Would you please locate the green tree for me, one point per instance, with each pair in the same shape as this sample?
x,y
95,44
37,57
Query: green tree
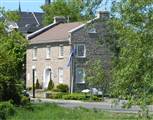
x,y
95,76
133,26
12,56
66,8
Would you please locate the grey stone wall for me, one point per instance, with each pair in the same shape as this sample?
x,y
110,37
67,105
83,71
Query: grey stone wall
x,y
94,50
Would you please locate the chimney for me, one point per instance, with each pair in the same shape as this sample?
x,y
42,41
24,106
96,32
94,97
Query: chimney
x,y
47,2
104,15
59,19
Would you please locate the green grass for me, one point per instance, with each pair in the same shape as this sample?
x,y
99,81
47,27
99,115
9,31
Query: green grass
x,y
54,112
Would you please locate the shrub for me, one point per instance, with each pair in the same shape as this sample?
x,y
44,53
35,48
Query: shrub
x,y
37,84
25,101
6,109
10,89
95,98
55,95
50,85
62,88
75,96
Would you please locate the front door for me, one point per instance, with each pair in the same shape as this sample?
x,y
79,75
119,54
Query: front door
x,y
47,77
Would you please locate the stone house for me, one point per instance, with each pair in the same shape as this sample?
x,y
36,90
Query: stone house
x,y
60,51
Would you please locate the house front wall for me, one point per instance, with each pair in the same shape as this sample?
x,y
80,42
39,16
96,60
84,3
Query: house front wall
x,y
41,64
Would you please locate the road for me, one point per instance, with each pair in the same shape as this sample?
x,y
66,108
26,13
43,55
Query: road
x,y
92,105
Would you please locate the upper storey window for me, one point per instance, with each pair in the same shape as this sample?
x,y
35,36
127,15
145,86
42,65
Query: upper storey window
x,y
61,51
48,52
34,53
80,50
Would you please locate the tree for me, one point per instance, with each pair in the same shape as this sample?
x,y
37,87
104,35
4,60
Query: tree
x,y
75,10
70,9
95,75
12,56
133,26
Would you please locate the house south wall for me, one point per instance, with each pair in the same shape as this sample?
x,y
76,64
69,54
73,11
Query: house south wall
x,y
41,63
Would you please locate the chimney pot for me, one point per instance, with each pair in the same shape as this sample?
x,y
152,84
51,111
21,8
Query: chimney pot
x,y
103,15
60,19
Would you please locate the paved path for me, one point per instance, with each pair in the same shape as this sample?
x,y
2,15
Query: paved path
x,y
90,105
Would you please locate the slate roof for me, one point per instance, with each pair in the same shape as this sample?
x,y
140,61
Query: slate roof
x,y
57,33
27,24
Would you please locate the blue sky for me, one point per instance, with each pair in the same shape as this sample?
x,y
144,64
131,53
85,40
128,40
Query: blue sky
x,y
32,5
26,5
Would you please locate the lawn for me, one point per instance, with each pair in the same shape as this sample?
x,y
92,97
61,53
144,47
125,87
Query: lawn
x,y
54,112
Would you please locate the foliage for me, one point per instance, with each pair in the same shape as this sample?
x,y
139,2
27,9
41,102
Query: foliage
x,y
37,84
51,111
95,75
69,8
6,109
55,95
12,56
75,96
62,88
133,74
25,101
50,85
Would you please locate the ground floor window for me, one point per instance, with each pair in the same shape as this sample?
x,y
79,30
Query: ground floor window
x,y
80,75
60,75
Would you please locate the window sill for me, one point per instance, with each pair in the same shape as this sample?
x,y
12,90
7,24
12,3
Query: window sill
x,y
34,59
60,57
80,56
80,82
47,58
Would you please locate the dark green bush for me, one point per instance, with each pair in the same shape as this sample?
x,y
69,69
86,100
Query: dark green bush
x,y
62,88
95,98
37,84
75,96
55,95
50,85
25,101
10,89
6,109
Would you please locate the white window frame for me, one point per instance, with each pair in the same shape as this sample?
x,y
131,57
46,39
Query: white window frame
x,y
34,53
83,81
61,53
48,52
76,46
60,79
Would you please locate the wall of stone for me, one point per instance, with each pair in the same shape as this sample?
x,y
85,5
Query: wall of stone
x,y
94,50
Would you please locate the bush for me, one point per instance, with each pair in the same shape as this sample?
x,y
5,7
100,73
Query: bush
x,y
55,95
50,85
75,96
25,101
62,88
37,84
6,109
10,89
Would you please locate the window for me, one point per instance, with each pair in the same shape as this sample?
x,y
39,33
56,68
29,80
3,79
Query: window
x,y
61,51
80,50
48,52
92,30
34,53
34,75
80,75
60,75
